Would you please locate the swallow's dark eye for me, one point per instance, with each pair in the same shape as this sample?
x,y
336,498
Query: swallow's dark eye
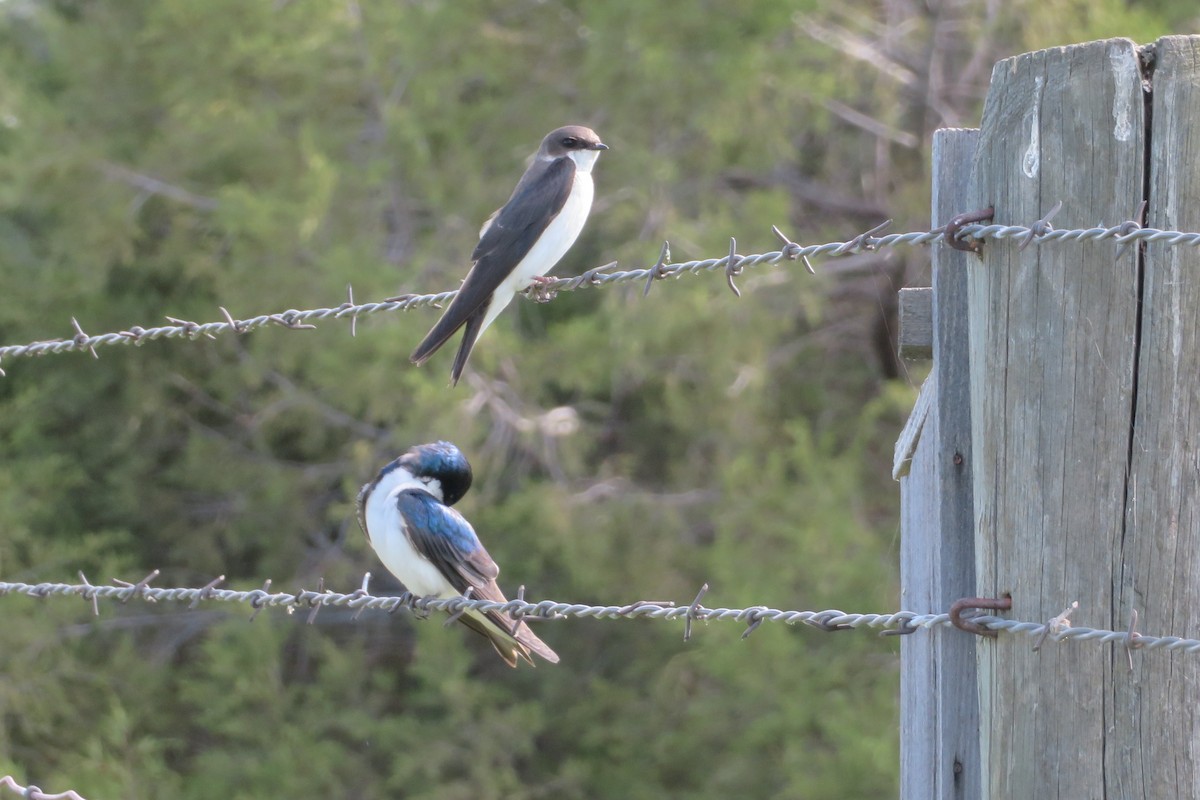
x,y
570,141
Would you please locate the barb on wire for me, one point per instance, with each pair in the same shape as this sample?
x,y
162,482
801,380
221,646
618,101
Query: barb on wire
x,y
1041,227
206,591
1132,638
81,338
90,595
1130,225
256,598
35,793
660,268
905,622
1056,625
733,267
1040,233
864,242
791,250
691,613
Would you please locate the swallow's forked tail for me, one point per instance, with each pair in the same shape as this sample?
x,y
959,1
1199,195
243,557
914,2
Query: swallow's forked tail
x,y
446,327
521,643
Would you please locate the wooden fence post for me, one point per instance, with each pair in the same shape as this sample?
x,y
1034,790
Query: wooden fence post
x,y
1085,404
939,746
1153,713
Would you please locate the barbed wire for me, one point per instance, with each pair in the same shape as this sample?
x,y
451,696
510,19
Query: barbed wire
x,y
360,600
34,792
1056,629
732,265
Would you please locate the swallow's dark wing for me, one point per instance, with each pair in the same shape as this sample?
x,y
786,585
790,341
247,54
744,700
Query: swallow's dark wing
x,y
444,536
519,223
538,199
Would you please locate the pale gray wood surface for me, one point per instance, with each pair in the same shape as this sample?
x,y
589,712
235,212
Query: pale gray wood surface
x,y
958,766
919,522
1154,713
1053,332
916,323
939,745
910,435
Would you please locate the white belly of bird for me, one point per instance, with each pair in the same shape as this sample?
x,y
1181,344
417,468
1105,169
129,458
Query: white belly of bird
x,y
550,247
386,527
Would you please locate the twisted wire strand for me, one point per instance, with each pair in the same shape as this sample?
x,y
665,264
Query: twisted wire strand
x,y
830,619
733,264
901,622
34,792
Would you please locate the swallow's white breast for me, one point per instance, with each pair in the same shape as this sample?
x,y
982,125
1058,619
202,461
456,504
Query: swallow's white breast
x,y
385,527
554,242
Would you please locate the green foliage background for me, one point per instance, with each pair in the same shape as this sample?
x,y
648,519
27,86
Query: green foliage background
x,y
625,447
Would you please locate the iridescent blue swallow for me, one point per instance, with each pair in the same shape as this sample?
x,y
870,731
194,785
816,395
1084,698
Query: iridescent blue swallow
x,y
407,516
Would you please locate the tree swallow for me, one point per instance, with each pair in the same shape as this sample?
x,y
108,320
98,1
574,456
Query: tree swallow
x,y
523,240
432,549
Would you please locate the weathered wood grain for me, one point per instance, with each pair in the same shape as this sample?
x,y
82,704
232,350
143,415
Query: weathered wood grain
x,y
916,323
958,764
939,750
910,436
1154,713
1053,335
919,526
